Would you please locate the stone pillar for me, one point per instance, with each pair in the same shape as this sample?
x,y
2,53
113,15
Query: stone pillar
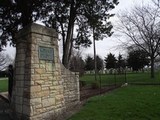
x,y
38,88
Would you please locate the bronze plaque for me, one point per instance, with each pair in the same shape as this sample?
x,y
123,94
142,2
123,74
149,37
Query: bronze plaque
x,y
46,53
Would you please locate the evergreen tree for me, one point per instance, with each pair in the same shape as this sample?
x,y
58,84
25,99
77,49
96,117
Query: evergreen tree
x,y
110,61
89,63
99,63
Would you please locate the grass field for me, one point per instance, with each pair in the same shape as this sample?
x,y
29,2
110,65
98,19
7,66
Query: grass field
x,y
3,84
127,103
107,79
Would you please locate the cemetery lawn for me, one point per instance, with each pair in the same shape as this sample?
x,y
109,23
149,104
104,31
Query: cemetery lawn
x,y
133,77
3,84
127,103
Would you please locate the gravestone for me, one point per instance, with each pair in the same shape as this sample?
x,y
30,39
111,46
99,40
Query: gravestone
x,y
41,91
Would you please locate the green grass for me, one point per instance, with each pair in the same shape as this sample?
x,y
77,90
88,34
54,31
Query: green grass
x,y
128,103
107,79
3,84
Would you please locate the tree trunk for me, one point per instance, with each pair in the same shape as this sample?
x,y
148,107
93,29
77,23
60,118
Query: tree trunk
x,y
67,44
152,67
26,13
95,60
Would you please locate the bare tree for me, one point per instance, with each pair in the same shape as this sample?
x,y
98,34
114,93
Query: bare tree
x,y
156,2
142,26
77,63
5,60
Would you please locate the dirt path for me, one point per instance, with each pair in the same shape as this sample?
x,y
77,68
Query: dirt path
x,y
88,92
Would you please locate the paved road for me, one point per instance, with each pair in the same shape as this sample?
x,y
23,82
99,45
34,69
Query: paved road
x,y
4,110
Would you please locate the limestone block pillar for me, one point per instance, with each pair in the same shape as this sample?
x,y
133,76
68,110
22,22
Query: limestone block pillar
x,y
38,89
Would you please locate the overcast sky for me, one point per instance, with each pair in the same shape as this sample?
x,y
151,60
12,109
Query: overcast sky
x,y
109,44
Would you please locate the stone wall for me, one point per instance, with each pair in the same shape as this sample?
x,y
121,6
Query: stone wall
x,y
71,87
40,90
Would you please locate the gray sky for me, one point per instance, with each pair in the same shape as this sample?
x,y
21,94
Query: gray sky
x,y
107,45
11,51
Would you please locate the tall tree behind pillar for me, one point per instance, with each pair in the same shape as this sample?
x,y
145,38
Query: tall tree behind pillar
x,y
86,16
